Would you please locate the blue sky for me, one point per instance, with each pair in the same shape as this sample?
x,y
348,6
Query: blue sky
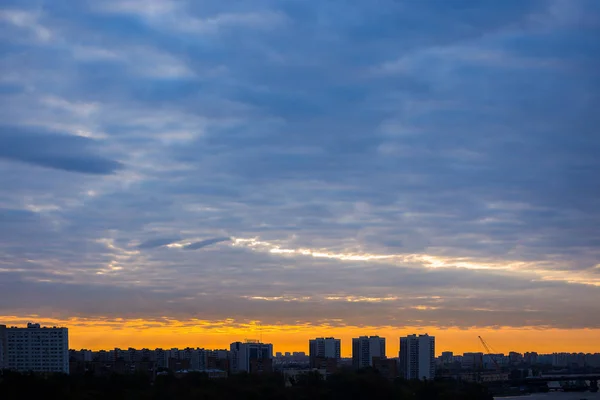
x,y
372,162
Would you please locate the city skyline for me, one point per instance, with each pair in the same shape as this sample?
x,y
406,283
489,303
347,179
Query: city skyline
x,y
219,340
178,172
42,349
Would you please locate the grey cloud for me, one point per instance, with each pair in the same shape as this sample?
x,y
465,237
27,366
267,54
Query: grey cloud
x,y
51,150
204,243
285,143
159,242
499,303
8,215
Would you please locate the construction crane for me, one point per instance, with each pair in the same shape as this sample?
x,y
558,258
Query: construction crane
x,y
489,353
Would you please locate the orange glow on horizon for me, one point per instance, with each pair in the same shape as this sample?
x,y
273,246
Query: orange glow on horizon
x,y
167,333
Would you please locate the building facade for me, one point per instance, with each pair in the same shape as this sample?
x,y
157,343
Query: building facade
x,y
447,358
251,357
35,348
417,356
473,361
321,350
365,349
3,346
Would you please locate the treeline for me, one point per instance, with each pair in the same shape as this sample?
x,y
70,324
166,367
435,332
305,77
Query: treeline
x,y
343,386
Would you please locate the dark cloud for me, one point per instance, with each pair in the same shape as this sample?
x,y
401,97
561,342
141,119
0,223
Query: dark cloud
x,y
451,298
51,150
18,216
159,242
204,243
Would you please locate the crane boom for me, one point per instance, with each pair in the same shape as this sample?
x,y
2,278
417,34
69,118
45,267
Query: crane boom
x,y
487,349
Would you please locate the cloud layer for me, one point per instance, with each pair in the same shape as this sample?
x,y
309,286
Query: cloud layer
x,y
395,163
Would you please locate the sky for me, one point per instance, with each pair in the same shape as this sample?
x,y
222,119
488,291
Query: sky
x,y
192,173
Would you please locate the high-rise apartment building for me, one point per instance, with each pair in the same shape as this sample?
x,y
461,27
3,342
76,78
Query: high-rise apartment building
x,y
324,348
324,352
251,356
365,349
35,348
417,356
3,346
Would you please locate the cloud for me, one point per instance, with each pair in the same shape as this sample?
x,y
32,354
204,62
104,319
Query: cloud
x,y
154,243
26,21
16,216
51,150
411,163
204,243
180,16
158,65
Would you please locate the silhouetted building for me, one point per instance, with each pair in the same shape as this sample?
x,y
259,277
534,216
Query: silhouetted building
x,y
218,360
447,357
251,356
417,356
35,348
515,358
323,349
472,361
3,346
176,364
365,348
531,358
261,365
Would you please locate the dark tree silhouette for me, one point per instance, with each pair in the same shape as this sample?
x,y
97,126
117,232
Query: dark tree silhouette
x,y
365,384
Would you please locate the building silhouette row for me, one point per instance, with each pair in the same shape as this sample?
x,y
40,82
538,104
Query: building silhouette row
x,y
46,349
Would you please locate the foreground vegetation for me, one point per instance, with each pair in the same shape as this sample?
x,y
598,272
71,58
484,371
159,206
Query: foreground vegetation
x,y
346,386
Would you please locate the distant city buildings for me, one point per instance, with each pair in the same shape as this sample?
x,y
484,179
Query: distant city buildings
x,y
515,358
472,361
365,349
324,353
213,362
216,363
295,359
492,361
34,348
573,359
43,350
446,358
251,357
417,356
530,358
